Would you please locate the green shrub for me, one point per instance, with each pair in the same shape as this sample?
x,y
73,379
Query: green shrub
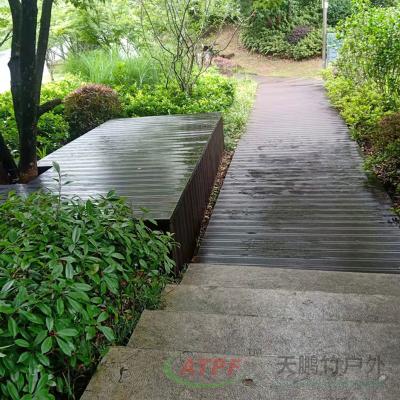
x,y
276,43
52,127
374,121
386,165
361,106
89,106
236,116
387,131
266,41
109,67
53,132
371,48
284,28
298,33
339,10
308,47
74,275
211,93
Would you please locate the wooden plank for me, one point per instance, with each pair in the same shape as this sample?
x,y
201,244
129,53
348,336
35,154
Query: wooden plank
x,y
166,164
296,194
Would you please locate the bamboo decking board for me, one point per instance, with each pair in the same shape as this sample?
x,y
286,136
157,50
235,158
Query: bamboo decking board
x,y
296,194
165,164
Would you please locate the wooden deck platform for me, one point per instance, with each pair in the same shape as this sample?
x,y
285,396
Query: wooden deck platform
x,y
296,194
166,164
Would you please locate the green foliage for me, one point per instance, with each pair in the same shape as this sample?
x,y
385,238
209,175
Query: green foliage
x,y
211,93
371,48
218,12
5,25
73,276
52,127
339,10
89,106
361,106
236,116
298,33
285,28
109,67
100,25
386,165
308,47
275,43
387,132
366,87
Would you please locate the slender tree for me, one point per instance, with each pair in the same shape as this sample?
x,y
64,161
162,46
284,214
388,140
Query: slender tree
x,y
28,52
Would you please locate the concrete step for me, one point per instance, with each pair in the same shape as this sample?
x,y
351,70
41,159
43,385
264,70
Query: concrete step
x,y
137,374
244,335
283,304
253,277
342,262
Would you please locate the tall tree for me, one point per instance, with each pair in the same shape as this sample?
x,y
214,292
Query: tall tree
x,y
28,52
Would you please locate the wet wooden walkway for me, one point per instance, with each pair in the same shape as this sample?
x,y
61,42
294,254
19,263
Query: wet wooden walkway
x,y
164,164
296,194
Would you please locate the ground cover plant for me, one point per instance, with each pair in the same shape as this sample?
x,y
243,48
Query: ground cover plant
x,y
284,28
212,93
74,277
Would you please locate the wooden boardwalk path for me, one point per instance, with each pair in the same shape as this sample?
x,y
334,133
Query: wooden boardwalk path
x,y
296,194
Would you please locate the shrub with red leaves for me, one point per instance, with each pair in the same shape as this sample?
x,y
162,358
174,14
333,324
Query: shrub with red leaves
x,y
388,131
298,33
89,106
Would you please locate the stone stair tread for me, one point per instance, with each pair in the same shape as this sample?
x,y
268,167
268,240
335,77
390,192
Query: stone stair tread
x,y
291,279
244,335
283,304
142,374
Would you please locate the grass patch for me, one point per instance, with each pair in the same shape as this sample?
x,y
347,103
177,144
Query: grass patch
x,y
110,67
236,116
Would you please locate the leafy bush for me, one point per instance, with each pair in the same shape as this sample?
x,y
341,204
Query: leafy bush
x,y
89,106
218,12
339,10
308,47
211,93
388,131
284,28
386,165
236,116
275,43
265,41
110,67
52,127
298,33
371,48
361,106
73,277
369,103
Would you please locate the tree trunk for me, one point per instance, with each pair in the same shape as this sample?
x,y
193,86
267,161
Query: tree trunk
x,y
27,129
43,42
26,69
